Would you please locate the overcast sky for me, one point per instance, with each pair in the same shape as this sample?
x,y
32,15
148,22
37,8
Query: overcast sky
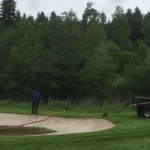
x,y
78,6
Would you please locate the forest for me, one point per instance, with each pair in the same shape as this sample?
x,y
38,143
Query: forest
x,y
67,58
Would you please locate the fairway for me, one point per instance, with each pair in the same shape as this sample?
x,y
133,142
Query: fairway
x,y
129,132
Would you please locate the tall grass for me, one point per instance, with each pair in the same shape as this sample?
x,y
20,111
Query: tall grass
x,y
86,105
94,105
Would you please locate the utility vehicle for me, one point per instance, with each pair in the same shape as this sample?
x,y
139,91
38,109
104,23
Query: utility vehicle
x,y
142,106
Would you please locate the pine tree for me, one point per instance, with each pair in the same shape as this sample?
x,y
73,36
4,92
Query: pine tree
x,y
24,16
135,24
8,12
53,15
18,16
41,17
103,18
146,29
119,31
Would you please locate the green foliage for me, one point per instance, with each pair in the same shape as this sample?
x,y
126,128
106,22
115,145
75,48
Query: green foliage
x,y
89,16
68,58
98,73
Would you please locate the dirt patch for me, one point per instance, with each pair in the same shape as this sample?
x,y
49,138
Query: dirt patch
x,y
24,131
59,124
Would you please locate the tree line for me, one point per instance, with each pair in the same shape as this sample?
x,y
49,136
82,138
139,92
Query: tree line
x,y
65,57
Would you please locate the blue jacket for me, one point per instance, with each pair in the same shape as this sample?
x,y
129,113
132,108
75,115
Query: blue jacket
x,y
36,96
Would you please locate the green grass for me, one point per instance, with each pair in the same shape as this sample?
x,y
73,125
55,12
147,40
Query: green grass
x,y
130,132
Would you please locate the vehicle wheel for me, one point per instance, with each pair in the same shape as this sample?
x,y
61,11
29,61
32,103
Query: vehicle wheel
x,y
146,113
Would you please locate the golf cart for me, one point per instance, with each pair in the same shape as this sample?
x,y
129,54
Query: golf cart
x,y
142,106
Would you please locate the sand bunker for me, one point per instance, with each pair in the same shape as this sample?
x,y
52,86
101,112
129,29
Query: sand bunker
x,y
59,124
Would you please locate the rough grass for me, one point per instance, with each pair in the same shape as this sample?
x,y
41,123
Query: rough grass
x,y
130,132
88,105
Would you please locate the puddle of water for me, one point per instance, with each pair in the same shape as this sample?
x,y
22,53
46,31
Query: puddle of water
x,y
24,131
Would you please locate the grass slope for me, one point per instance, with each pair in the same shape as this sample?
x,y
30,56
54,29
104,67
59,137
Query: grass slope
x,y
131,132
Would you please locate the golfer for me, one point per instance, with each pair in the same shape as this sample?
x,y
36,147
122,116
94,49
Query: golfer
x,y
36,96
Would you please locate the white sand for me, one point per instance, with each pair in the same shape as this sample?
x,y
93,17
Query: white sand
x,y
59,124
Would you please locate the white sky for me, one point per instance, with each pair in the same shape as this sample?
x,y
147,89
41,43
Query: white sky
x,y
31,7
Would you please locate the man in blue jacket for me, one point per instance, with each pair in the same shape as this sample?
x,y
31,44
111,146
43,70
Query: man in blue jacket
x,y
35,101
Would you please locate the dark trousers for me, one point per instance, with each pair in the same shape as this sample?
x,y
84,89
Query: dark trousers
x,y
34,107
